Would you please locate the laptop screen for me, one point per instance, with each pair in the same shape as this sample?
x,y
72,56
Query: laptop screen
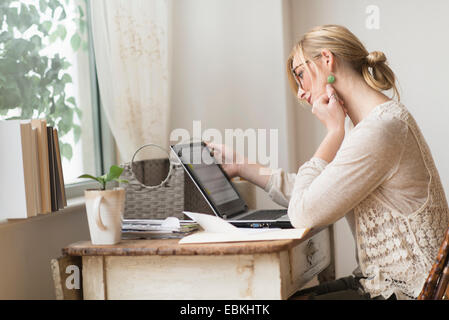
x,y
210,177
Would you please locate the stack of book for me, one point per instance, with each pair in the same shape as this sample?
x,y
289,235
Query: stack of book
x,y
31,175
157,229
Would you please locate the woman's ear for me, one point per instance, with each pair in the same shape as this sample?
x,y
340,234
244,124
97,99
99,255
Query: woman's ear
x,y
328,59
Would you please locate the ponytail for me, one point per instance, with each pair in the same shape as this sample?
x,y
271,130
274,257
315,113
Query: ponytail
x,y
378,74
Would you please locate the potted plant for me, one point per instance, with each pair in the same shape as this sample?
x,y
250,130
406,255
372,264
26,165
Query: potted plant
x,y
105,208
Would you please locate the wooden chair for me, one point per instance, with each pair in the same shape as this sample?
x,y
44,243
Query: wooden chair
x,y
63,268
436,286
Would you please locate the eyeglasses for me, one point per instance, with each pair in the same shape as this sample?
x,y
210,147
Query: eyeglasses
x,y
298,77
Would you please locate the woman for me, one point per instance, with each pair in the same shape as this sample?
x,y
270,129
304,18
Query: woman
x,y
381,177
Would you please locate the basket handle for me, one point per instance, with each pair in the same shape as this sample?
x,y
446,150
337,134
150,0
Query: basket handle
x,y
170,170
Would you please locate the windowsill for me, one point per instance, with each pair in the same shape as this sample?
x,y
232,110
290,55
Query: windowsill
x,y
75,204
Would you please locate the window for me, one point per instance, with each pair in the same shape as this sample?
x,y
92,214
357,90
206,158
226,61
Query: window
x,y
47,71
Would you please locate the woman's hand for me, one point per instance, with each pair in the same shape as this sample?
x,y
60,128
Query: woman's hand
x,y
329,109
229,160
235,165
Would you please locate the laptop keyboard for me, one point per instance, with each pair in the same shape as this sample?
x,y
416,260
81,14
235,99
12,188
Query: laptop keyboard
x,y
264,215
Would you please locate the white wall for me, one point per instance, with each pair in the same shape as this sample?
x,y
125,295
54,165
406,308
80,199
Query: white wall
x,y
27,246
413,35
228,68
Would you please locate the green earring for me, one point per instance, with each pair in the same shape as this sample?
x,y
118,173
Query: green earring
x,y
331,79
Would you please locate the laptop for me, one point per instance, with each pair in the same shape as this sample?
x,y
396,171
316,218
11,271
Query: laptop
x,y
219,192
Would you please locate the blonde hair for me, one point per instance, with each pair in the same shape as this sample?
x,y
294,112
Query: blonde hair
x,y
346,46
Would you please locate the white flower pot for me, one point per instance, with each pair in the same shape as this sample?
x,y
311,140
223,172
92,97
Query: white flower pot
x,y
105,214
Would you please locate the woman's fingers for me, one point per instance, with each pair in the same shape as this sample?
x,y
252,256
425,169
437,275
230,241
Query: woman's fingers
x,y
322,100
328,109
332,94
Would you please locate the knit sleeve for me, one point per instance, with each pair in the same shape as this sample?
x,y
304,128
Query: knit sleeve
x,y
369,156
280,186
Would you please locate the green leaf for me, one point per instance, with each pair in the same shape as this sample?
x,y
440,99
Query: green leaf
x,y
88,176
67,117
72,101
18,48
43,5
79,113
77,133
5,36
63,15
75,41
121,180
114,173
45,27
66,65
54,36
58,88
12,18
25,19
82,25
67,78
62,32
35,16
37,41
66,151
98,179
81,12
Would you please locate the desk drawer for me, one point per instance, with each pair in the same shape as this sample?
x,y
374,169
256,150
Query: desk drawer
x,y
305,261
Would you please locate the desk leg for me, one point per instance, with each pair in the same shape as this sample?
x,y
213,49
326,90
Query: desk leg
x,y
94,284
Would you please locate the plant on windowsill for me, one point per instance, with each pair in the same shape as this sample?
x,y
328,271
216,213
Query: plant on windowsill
x,y
105,220
114,174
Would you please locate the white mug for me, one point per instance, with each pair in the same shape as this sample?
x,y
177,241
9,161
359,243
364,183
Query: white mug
x,y
105,214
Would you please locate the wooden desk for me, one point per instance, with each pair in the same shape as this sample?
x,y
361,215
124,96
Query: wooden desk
x,y
163,269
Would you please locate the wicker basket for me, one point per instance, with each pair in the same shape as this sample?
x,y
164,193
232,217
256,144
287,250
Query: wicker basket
x,y
149,198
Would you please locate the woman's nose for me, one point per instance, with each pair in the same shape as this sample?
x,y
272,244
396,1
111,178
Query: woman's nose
x,y
301,93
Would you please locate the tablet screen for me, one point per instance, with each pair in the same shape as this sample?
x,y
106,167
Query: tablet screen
x,y
208,174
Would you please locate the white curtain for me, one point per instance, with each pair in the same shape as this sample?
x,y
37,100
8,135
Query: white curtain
x,y
132,57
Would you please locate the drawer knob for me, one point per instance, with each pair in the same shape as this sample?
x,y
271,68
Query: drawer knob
x,y
311,250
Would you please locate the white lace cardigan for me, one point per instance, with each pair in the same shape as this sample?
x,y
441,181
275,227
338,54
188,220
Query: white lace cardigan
x,y
384,180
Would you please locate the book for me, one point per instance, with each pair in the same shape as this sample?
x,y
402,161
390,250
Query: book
x,y
28,167
36,184
62,200
44,171
169,228
16,191
31,167
51,164
216,229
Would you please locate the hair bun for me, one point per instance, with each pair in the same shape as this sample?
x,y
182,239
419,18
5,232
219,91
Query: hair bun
x,y
375,58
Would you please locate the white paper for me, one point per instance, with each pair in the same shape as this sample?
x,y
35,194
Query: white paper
x,y
212,223
218,230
